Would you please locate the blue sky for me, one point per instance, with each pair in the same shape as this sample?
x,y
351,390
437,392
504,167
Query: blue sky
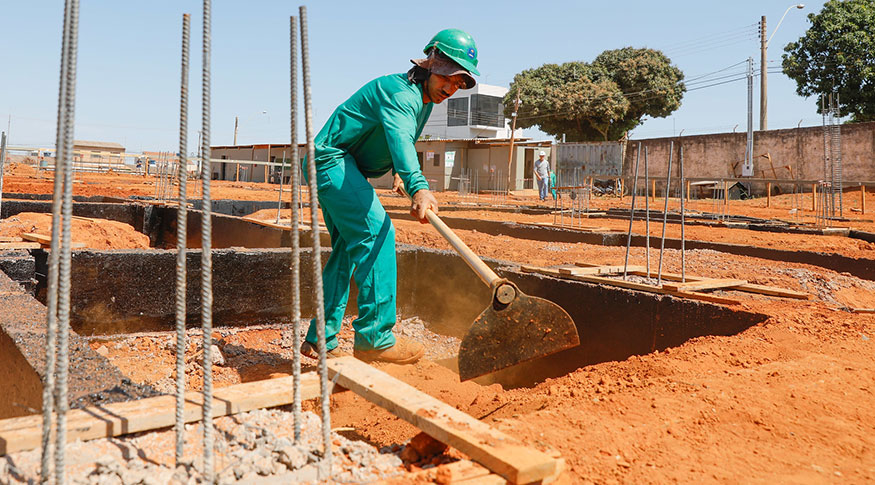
x,y
128,71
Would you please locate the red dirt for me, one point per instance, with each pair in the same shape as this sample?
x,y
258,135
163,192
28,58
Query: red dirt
x,y
786,401
93,233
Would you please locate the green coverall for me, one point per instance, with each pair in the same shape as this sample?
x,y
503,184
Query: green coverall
x,y
371,133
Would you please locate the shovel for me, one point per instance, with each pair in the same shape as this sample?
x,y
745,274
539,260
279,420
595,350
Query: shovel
x,y
514,328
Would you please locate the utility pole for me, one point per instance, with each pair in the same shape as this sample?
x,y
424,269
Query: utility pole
x,y
235,131
747,166
516,107
764,116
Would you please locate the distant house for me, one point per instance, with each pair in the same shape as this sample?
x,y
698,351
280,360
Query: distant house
x,y
483,162
97,154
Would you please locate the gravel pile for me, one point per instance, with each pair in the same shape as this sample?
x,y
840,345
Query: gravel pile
x,y
252,447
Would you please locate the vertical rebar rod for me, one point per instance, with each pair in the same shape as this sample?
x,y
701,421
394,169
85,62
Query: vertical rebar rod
x,y
296,225
2,166
647,212
317,256
665,214
181,236
632,212
62,156
279,201
206,252
63,319
683,216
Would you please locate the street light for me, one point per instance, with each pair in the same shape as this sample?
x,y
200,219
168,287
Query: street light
x,y
764,45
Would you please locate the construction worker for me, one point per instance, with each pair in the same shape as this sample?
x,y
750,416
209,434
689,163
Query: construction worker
x,y
371,133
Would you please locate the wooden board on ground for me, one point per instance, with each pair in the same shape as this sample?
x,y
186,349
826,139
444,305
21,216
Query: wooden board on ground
x,y
587,269
10,239
772,291
631,285
493,449
747,287
17,434
20,245
40,238
706,284
46,241
301,227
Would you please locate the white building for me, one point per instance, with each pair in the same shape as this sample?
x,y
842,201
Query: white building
x,y
470,113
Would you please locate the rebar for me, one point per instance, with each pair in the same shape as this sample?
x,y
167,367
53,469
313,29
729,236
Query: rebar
x,y
295,223
683,216
181,235
665,214
206,253
67,112
632,212
317,256
62,157
647,212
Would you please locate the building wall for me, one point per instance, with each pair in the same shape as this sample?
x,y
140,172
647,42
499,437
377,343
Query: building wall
x,y
721,155
437,127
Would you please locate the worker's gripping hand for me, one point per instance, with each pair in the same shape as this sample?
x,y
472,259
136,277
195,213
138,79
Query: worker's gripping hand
x,y
422,201
398,185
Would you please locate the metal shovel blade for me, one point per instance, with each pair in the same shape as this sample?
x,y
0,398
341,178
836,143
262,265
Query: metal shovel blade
x,y
506,335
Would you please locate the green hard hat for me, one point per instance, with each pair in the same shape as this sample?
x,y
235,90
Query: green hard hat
x,y
458,46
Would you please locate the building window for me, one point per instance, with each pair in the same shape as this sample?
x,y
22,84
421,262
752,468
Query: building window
x,y
457,112
487,110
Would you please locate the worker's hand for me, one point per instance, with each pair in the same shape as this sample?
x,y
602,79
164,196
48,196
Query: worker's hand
x,y
422,201
398,185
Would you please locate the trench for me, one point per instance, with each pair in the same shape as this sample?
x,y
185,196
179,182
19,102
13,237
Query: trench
x,y
126,291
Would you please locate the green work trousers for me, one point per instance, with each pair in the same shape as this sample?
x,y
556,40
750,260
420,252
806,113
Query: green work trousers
x,y
362,247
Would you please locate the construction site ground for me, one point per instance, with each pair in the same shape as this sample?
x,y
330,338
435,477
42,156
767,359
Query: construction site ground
x,y
786,401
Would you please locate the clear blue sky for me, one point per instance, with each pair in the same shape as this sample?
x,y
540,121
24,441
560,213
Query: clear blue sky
x,y
128,71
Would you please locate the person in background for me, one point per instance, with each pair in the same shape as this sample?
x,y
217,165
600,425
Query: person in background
x,y
542,173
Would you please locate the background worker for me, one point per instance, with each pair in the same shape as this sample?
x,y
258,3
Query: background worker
x,y
542,172
371,133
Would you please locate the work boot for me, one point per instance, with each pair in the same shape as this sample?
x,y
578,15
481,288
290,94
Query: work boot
x,y
310,350
403,352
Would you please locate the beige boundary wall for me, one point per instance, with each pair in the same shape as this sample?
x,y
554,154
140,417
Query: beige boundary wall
x,y
720,155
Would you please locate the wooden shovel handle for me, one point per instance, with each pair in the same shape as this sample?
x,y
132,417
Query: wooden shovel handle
x,y
474,262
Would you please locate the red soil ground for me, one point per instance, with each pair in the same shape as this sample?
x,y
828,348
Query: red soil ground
x,y
786,401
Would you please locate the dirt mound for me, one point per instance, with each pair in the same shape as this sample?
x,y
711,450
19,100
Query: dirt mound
x,y
93,233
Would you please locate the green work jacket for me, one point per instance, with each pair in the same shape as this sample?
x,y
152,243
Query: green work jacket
x,y
378,126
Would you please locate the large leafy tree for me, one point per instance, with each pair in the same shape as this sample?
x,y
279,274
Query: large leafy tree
x,y
601,100
837,53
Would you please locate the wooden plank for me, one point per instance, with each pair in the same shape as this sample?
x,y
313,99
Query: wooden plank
x,y
772,291
20,245
601,269
11,239
40,238
693,295
862,310
631,285
23,433
708,284
748,287
493,449
668,276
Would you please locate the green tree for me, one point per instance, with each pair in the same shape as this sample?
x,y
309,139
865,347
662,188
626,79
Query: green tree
x,y
601,100
837,53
